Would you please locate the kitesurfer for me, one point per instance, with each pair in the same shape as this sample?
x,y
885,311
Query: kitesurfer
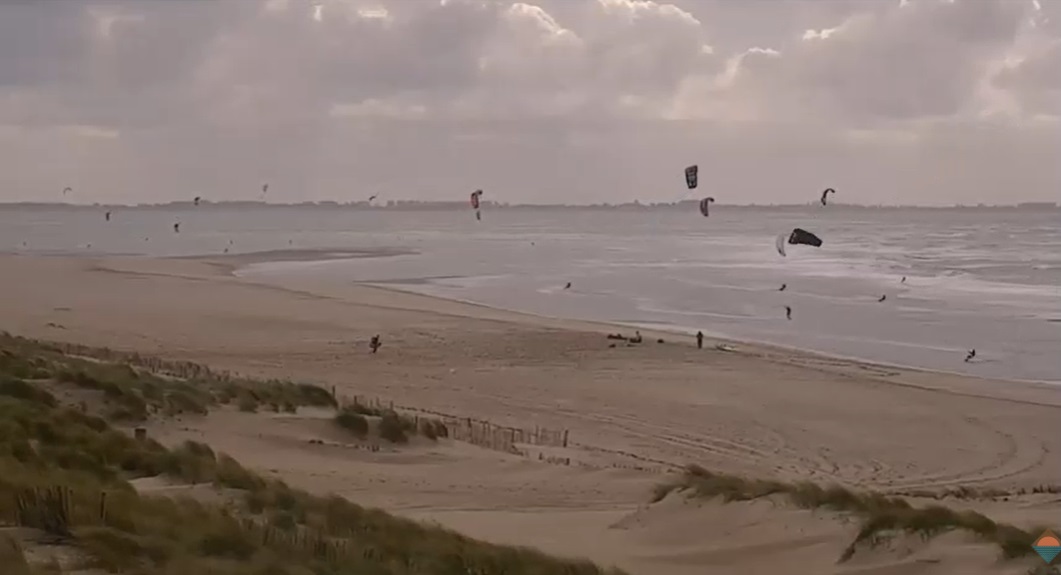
x,y
902,281
475,203
825,193
788,312
568,286
969,356
705,206
374,343
783,286
883,297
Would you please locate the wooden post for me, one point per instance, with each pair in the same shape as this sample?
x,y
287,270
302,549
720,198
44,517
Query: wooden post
x,y
565,438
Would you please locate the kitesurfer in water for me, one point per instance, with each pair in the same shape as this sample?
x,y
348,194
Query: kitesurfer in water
x,y
969,356
783,286
568,286
883,297
700,340
788,312
902,281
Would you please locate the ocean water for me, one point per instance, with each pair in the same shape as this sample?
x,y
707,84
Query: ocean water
x,y
988,279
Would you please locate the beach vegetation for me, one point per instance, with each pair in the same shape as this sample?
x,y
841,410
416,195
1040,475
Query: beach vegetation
x,y
392,426
352,421
70,475
132,388
880,514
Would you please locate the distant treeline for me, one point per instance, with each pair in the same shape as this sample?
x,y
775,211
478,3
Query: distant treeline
x,y
463,205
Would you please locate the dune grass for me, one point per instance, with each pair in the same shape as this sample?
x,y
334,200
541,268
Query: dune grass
x,y
11,557
67,473
393,427
133,387
880,514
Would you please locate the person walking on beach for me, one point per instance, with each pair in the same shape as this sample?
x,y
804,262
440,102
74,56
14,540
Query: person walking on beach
x,y
374,344
700,340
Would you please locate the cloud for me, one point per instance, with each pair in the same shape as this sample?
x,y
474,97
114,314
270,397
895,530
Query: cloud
x,y
588,100
919,60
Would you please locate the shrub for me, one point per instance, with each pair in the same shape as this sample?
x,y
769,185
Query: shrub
x,y
427,429
392,428
352,422
315,395
19,389
248,404
231,474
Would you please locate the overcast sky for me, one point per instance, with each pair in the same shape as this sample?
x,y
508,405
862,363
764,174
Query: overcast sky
x,y
916,102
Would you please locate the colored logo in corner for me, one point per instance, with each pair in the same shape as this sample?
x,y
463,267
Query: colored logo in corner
x,y
1048,546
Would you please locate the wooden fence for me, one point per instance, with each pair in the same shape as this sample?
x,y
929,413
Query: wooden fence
x,y
478,432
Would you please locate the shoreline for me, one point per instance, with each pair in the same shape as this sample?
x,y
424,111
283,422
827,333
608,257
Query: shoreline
x,y
716,337
750,346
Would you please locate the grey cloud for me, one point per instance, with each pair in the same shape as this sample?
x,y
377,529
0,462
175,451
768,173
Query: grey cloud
x,y
1036,81
923,59
42,43
538,100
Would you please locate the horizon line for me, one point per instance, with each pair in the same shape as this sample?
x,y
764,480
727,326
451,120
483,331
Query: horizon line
x,y
413,204
457,204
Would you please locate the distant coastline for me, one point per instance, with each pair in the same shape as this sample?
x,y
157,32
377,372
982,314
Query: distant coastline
x,y
422,205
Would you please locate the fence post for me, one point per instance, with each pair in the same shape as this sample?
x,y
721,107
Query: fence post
x,y
565,437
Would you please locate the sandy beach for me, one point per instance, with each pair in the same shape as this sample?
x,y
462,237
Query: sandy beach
x,y
633,414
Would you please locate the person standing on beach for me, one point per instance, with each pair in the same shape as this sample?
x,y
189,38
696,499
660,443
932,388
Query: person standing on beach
x,y
374,344
700,340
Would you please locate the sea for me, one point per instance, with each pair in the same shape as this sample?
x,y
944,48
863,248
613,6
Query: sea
x,y
987,279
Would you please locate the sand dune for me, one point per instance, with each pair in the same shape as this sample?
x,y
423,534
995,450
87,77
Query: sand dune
x,y
760,410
